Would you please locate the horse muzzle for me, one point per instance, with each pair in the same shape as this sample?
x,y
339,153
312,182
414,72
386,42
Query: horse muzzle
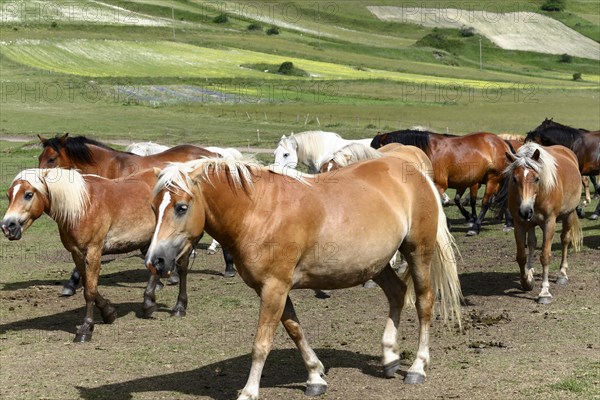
x,y
161,261
12,228
526,213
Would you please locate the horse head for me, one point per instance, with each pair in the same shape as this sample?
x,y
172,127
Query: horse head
x,y
286,153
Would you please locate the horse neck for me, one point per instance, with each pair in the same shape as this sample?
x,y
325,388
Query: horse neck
x,y
113,164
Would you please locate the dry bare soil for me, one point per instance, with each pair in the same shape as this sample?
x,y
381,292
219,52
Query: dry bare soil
x,y
511,347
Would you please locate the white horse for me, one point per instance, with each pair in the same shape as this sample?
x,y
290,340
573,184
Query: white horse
x,y
311,148
146,148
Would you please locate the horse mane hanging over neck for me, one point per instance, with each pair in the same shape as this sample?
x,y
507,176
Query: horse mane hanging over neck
x,y
551,133
313,142
76,148
410,137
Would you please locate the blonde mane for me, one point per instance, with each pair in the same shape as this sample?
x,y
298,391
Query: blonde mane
x,y
512,136
353,153
241,173
545,166
66,190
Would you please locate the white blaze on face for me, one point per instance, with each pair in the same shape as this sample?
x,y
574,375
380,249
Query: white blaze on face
x,y
161,213
525,173
15,191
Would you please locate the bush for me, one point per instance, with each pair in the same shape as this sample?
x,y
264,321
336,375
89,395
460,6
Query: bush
x,y
565,58
255,27
221,19
438,40
273,31
577,76
467,31
54,24
286,68
553,5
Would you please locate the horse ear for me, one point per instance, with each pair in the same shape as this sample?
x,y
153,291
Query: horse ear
x,y
536,155
510,156
63,138
42,139
283,137
157,171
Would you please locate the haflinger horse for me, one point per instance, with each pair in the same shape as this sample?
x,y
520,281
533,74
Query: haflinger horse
x,y
286,231
311,148
95,216
545,187
585,145
93,157
459,162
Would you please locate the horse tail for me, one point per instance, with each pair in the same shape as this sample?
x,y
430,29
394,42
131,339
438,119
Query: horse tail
x,y
443,271
576,234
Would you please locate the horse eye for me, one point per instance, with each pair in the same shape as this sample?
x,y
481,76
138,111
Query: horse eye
x,y
28,196
286,155
51,160
537,179
181,209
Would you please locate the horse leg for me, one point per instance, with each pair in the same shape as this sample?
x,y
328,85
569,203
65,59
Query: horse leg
x,y
524,260
316,385
491,187
70,287
229,268
149,304
173,279
586,187
548,230
566,237
596,213
273,295
395,290
473,201
419,261
463,210
182,299
212,249
596,187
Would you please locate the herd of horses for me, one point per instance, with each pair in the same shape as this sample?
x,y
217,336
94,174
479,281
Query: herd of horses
x,y
285,229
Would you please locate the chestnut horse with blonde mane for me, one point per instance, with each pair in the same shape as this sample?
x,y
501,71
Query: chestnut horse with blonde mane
x,y
289,230
95,216
545,187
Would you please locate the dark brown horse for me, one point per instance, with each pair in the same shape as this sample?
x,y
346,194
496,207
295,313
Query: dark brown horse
x,y
459,162
93,157
585,144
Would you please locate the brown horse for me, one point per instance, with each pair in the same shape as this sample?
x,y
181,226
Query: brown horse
x,y
95,216
291,231
92,157
459,162
545,187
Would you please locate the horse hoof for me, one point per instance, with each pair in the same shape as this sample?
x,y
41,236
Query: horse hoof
x,y
390,369
562,280
147,312
315,389
159,286
472,232
82,337
369,284
173,280
470,224
594,217
508,229
229,274
178,312
67,291
544,300
412,378
110,318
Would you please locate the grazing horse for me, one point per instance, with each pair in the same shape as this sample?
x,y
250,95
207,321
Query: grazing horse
x,y
288,230
544,187
95,216
585,145
92,157
459,162
311,148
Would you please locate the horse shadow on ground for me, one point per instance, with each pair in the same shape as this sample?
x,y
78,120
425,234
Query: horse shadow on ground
x,y
66,321
495,284
223,379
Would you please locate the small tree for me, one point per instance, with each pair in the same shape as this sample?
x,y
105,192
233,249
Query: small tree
x,y
577,76
565,58
221,19
467,31
273,31
554,5
255,26
286,68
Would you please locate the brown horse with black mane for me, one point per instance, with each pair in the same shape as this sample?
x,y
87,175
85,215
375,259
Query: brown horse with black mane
x,y
459,162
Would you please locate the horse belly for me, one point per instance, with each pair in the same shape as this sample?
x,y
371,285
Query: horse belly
x,y
125,240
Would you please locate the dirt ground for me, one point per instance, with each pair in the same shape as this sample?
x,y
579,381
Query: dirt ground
x,y
511,347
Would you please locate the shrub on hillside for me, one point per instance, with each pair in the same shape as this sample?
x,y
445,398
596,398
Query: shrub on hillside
x,y
438,40
565,58
467,31
577,76
255,26
288,68
553,5
221,19
273,31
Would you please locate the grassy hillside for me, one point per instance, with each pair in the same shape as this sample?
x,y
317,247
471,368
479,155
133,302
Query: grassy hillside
x,y
128,70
